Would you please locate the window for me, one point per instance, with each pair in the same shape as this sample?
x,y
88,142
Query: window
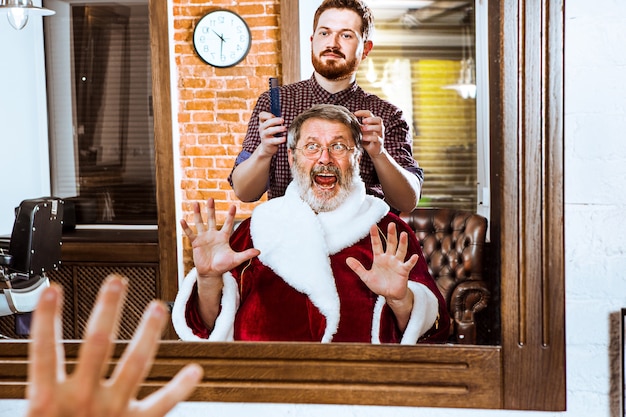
x,y
420,55
101,127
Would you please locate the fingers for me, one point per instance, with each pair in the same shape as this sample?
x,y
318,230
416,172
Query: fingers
x,y
100,332
377,246
363,114
373,131
197,217
139,355
395,247
271,127
188,231
175,391
403,246
392,239
241,257
399,248
357,267
369,122
229,223
46,350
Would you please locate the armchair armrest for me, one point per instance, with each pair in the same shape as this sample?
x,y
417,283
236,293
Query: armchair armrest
x,y
468,298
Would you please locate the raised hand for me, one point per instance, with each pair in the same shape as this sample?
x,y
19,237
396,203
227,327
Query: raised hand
x,y
389,274
86,392
212,254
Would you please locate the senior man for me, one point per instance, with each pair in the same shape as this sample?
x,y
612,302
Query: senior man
x,y
325,262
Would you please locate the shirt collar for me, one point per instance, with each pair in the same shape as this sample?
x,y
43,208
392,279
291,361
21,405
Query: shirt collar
x,y
323,96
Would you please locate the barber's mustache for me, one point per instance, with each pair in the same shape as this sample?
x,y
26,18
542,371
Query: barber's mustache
x,y
335,51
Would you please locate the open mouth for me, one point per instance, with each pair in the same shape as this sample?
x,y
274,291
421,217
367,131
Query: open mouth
x,y
325,180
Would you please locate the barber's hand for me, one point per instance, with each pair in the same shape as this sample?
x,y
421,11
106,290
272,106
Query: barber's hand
x,y
389,275
86,392
272,132
212,254
373,131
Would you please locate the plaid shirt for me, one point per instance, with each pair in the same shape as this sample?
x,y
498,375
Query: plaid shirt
x,y
297,97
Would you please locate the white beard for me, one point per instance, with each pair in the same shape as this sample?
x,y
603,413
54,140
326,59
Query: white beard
x,y
320,204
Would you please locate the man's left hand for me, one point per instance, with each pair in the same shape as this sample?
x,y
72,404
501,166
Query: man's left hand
x,y
389,274
373,131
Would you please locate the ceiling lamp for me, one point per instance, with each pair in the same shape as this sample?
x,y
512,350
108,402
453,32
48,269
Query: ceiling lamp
x,y
19,10
466,84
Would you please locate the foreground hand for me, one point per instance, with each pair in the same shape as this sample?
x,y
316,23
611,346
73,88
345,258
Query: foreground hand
x,y
272,132
373,131
389,274
86,392
212,254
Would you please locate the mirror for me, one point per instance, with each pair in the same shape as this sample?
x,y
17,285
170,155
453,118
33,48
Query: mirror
x,y
526,371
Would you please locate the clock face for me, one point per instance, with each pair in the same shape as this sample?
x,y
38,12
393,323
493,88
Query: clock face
x,y
222,38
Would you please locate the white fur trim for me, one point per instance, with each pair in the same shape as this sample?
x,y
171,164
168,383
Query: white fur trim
x,y
378,312
296,243
225,321
424,314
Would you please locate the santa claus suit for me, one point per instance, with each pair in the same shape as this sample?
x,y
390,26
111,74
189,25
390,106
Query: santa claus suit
x,y
300,289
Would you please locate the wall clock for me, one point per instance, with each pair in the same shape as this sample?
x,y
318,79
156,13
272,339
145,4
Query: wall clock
x,y
222,38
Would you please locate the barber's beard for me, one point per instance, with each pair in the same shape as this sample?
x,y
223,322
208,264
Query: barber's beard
x,y
334,70
324,200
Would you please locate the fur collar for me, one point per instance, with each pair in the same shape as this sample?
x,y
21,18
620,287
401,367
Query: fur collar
x,y
296,243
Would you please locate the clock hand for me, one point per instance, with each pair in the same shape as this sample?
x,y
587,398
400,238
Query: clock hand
x,y
219,36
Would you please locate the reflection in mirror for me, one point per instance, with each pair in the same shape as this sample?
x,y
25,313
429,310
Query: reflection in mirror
x,y
99,84
527,371
423,61
101,80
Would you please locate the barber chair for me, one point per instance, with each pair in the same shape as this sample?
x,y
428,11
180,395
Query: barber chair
x,y
453,243
33,248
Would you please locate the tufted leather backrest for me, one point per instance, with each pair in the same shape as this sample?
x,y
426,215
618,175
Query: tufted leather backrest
x,y
453,243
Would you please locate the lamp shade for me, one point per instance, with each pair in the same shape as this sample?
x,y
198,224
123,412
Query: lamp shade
x,y
18,11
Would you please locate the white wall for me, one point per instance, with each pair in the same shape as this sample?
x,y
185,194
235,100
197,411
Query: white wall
x,y
595,198
24,167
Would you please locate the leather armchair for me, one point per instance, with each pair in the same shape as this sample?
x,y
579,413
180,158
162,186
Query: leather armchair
x,y
453,243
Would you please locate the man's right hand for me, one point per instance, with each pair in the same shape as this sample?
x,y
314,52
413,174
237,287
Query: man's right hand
x,y
272,132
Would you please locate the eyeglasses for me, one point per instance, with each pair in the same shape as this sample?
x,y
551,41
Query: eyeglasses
x,y
314,150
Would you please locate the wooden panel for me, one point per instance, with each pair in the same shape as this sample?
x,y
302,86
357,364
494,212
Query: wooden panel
x,y
81,283
441,376
533,291
110,252
289,45
166,201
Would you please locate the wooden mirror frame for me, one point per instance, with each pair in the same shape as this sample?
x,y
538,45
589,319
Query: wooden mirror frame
x,y
527,371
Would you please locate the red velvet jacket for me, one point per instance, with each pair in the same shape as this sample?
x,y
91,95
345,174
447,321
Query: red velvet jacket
x,y
300,298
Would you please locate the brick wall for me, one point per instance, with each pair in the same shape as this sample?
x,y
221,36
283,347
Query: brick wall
x,y
215,103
